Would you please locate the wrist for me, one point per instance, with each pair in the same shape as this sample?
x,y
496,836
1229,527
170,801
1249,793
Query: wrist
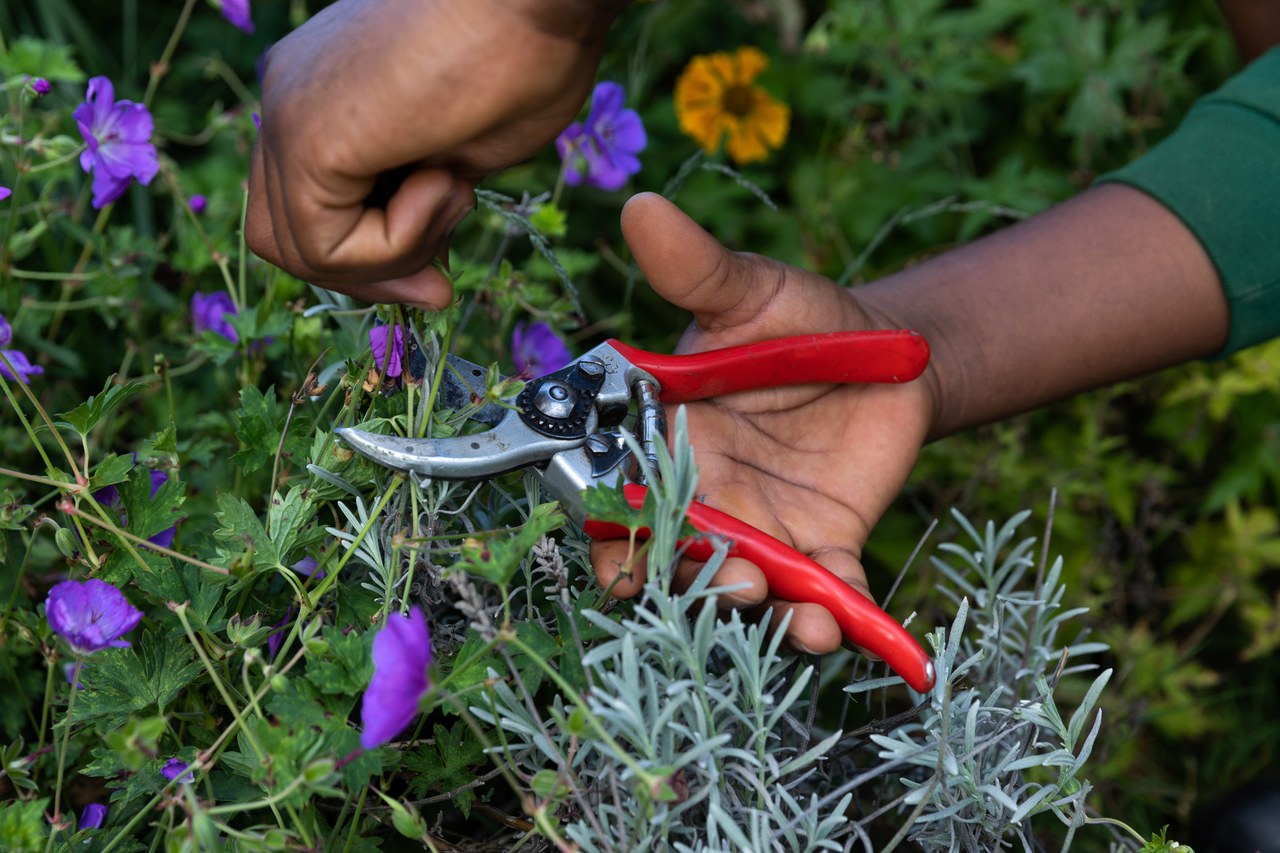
x,y
928,388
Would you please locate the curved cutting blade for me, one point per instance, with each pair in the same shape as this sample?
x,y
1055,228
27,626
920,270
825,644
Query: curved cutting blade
x,y
506,447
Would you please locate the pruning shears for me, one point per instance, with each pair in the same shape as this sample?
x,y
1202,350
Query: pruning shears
x,y
566,428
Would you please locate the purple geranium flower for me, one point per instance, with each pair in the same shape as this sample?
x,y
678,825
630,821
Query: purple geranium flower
x,y
5,192
110,496
602,151
209,314
537,350
118,136
93,816
22,366
387,356
401,656
237,12
41,86
90,615
197,203
176,768
23,369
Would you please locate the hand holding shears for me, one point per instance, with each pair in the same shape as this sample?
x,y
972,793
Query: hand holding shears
x,y
781,456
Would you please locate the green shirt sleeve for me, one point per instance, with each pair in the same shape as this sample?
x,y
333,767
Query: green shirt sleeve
x,y
1220,173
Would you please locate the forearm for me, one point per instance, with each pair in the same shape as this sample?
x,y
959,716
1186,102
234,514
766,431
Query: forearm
x,y
1255,24
1105,287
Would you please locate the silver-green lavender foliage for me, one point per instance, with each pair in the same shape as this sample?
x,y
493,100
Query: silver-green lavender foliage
x,y
695,733
992,716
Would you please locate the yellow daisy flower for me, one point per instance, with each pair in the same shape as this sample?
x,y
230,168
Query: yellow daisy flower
x,y
715,98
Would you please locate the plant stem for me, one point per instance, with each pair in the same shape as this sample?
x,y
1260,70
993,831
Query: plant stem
x,y
62,758
161,67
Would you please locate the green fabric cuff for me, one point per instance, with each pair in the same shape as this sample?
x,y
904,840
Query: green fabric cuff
x,y
1219,172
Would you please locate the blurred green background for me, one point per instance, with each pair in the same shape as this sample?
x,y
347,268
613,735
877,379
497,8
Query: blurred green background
x,y
916,125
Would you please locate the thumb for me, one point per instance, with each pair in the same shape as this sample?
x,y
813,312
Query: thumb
x,y
691,269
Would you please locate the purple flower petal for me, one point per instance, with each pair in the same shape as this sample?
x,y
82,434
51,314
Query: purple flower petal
x,y
401,657
93,816
276,637
5,192
117,137
41,86
237,12
570,145
209,314
21,364
602,151
607,98
307,567
387,356
176,768
107,188
537,350
90,615
197,203
625,133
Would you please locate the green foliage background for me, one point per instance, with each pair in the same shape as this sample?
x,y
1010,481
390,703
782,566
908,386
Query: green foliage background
x,y
917,125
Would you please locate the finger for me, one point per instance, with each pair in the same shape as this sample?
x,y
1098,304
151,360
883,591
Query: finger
x,y
428,289
734,296
618,569
846,565
733,572
346,242
811,630
686,265
259,234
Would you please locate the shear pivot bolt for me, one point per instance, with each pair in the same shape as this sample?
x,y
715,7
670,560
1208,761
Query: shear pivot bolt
x,y
591,368
555,400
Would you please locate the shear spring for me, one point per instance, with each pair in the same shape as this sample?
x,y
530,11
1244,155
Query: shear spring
x,y
651,422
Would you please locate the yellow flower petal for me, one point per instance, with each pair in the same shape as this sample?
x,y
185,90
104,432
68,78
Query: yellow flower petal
x,y
750,62
753,123
746,145
722,66
771,118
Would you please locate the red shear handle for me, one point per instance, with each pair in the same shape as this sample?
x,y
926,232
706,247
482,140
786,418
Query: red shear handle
x,y
842,357
794,577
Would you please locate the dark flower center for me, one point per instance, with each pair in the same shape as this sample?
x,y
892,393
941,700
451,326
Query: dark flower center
x,y
737,100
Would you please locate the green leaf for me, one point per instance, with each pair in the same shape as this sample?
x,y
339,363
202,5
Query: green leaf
x,y
347,666
137,741
119,682
35,58
111,470
609,504
147,515
288,517
202,588
220,350
498,559
256,427
550,220
22,825
447,764
239,526
84,417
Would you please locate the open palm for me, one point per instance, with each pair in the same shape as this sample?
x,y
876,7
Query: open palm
x,y
813,465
